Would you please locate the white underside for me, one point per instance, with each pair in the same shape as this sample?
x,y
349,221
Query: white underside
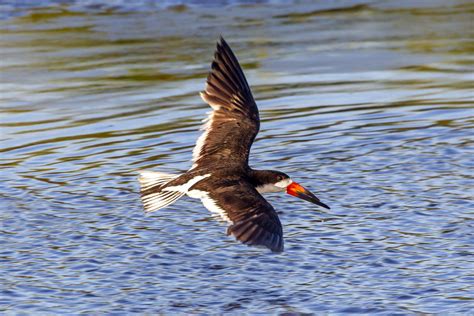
x,y
209,203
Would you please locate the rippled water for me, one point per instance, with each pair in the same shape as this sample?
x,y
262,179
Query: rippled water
x,y
370,105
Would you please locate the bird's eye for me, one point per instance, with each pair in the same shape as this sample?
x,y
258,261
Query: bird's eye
x,y
279,178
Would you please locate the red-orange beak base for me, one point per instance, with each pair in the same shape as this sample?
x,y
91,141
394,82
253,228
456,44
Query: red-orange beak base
x,y
300,192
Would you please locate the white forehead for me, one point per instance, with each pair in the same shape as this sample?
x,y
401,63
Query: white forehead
x,y
283,183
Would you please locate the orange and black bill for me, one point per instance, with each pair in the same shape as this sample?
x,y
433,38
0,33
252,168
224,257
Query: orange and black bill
x,y
300,192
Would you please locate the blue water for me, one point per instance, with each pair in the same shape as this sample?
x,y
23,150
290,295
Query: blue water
x,y
368,104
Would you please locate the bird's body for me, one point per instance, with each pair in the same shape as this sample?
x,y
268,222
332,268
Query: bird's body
x,y
220,175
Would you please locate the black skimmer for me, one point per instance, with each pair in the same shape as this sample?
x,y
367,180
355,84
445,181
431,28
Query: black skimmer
x,y
220,175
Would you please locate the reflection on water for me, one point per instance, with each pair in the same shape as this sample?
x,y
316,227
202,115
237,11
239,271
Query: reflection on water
x,y
369,105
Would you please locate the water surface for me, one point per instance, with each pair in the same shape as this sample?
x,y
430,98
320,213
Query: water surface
x,y
368,104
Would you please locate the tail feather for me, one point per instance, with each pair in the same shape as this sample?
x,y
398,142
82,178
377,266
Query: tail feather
x,y
151,189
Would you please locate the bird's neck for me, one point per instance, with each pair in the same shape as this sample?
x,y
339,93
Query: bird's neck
x,y
262,180
257,177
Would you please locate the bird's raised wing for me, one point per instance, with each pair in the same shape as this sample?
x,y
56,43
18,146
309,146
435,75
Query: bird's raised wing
x,y
234,122
253,220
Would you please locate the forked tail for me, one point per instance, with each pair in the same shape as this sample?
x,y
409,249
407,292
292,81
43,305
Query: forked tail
x,y
152,193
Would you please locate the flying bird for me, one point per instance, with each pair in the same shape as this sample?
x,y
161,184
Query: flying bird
x,y
220,175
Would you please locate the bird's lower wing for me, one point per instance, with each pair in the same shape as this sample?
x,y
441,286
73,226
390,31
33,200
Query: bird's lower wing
x,y
234,122
254,221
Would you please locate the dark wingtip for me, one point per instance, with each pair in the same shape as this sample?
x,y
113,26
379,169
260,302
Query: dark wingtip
x,y
223,46
258,236
226,80
278,247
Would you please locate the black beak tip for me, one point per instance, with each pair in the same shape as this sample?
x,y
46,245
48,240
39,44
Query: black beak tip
x,y
310,197
324,205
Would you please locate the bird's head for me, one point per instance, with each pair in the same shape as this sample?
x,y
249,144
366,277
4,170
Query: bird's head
x,y
276,181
